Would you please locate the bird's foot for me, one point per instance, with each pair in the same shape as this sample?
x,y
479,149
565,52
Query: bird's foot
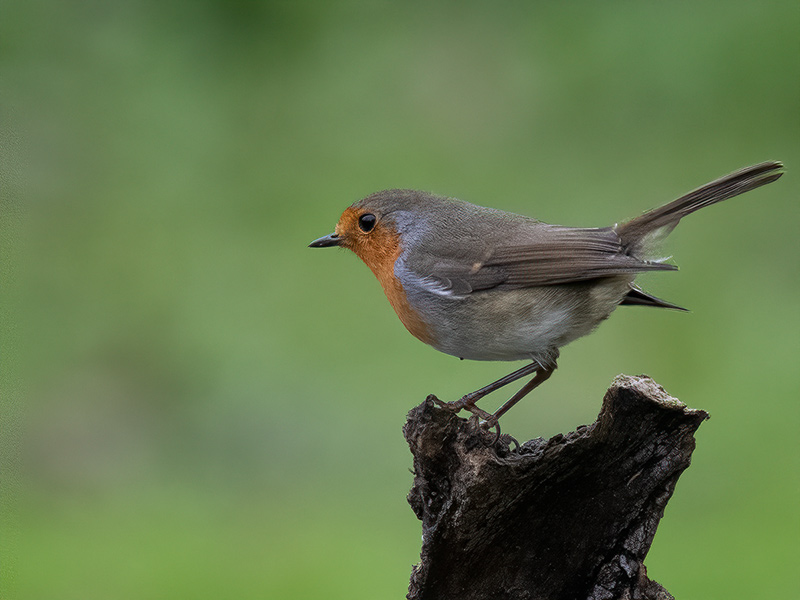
x,y
464,404
485,420
504,439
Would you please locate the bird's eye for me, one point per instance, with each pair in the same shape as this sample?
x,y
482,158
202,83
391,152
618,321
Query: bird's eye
x,y
366,222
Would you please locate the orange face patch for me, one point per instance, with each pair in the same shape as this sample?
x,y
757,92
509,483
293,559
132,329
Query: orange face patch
x,y
379,248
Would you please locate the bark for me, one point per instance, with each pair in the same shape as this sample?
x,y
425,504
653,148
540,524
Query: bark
x,y
567,518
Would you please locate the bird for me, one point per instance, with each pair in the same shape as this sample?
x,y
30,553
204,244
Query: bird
x,y
485,284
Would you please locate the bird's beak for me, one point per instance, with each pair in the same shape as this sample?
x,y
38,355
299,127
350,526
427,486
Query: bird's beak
x,y
326,241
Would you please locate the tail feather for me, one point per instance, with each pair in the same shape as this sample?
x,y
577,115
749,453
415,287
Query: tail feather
x,y
636,296
635,233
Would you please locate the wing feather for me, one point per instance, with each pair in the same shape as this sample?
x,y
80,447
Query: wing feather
x,y
554,256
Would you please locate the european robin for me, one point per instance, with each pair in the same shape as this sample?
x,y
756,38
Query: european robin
x,y
484,284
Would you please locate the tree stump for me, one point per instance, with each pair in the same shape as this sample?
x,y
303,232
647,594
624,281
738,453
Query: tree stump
x,y
567,518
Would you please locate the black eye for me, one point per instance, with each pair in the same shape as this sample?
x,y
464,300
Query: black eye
x,y
366,222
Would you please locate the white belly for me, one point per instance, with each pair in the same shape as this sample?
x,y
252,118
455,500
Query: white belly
x,y
524,324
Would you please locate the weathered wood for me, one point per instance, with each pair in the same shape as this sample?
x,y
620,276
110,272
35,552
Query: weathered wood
x,y
567,518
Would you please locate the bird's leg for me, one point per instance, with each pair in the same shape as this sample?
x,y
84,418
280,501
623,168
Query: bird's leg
x,y
542,375
468,401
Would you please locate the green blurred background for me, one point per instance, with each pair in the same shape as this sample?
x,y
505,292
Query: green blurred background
x,y
195,405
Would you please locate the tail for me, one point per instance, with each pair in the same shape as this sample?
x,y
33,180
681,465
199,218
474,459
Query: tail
x,y
638,233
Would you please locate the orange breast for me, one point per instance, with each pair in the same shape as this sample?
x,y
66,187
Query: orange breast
x,y
380,251
399,301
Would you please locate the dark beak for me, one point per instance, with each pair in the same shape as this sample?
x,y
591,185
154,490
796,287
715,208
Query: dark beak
x,y
326,241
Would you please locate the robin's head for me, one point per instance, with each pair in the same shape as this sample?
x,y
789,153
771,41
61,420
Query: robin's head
x,y
366,231
373,227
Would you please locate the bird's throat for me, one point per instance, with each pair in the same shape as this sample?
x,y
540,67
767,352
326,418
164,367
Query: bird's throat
x,y
381,261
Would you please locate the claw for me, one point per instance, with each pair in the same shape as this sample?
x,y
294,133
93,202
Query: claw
x,y
510,439
490,423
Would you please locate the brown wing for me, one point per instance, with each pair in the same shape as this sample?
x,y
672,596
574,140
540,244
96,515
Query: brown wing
x,y
566,255
556,255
